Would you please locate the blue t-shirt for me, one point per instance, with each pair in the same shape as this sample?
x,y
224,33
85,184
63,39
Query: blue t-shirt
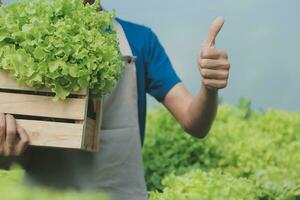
x,y
155,74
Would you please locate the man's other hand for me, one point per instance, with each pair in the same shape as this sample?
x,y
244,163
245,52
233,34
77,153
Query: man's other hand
x,y
13,139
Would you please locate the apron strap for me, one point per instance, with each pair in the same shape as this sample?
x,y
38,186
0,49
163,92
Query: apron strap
x,y
123,42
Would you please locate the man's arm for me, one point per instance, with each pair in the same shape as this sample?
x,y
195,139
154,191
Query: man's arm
x,y
197,113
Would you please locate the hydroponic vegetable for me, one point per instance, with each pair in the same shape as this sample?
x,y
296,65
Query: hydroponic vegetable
x,y
60,44
262,147
199,185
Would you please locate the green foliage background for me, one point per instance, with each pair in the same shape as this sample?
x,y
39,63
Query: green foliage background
x,y
247,155
261,147
12,189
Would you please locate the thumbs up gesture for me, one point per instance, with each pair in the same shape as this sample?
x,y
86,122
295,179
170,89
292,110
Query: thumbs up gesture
x,y
213,62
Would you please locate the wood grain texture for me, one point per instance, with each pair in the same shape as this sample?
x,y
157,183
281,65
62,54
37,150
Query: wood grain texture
x,y
53,134
35,105
83,134
97,135
91,134
7,82
88,134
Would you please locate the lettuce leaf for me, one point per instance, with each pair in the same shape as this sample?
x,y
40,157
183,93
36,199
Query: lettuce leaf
x,y
62,45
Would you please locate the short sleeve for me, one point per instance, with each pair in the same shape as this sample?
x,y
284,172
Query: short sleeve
x,y
160,74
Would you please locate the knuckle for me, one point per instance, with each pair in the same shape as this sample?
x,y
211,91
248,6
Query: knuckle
x,y
203,62
207,82
224,54
204,73
225,65
25,142
21,129
10,117
225,74
204,53
228,66
199,60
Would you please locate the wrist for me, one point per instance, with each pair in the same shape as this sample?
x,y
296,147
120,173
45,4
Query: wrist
x,y
209,91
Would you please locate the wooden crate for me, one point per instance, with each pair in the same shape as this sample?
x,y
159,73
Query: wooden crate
x,y
62,124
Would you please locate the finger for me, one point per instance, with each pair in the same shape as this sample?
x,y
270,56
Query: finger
x,y
215,84
213,32
214,74
2,128
214,64
10,133
213,53
23,142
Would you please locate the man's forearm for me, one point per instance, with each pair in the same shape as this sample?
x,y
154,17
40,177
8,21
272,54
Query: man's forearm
x,y
202,111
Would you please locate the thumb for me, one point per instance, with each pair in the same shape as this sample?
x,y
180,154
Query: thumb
x,y
213,32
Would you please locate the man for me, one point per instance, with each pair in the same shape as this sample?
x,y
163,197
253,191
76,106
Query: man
x,y
117,168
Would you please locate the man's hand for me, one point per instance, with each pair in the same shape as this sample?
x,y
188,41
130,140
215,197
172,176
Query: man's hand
x,y
13,139
196,113
214,65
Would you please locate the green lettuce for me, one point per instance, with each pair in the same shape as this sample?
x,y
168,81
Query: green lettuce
x,y
62,45
260,146
200,185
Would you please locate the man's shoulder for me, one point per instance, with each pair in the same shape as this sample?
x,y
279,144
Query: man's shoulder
x,y
134,27
140,37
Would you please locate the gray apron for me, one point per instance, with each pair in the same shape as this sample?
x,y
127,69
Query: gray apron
x,y
118,167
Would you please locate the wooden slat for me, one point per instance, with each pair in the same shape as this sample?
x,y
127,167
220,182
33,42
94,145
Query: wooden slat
x,y
35,105
53,134
97,135
91,129
88,129
6,82
88,134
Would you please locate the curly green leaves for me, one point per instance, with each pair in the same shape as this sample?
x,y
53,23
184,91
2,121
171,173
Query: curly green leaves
x,y
62,45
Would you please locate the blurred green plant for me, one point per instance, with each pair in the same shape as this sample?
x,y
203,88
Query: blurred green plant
x,y
262,147
245,106
199,185
11,189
